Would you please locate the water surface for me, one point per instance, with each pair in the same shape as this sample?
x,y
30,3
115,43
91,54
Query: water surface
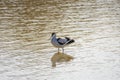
x,y
25,29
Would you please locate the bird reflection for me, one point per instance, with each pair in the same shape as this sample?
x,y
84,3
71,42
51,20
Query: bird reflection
x,y
60,57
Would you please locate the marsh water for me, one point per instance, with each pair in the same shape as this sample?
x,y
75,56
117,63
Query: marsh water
x,y
26,51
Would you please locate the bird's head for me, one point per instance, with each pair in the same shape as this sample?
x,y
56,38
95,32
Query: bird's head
x,y
53,34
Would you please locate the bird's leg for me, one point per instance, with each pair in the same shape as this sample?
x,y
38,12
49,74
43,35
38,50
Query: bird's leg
x,y
63,50
58,50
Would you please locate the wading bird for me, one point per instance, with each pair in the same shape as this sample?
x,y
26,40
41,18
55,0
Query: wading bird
x,y
60,42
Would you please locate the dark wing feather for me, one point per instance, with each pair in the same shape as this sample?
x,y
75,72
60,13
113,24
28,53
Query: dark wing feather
x,y
61,41
67,38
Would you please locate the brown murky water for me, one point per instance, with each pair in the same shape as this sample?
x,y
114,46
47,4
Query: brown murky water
x,y
25,48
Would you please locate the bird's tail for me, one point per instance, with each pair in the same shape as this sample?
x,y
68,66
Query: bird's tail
x,y
71,41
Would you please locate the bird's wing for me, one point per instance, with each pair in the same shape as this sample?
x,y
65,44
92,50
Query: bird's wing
x,y
61,41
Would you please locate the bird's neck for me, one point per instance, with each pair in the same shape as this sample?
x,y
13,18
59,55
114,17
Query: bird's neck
x,y
54,37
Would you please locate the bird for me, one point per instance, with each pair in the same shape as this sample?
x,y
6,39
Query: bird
x,y
60,42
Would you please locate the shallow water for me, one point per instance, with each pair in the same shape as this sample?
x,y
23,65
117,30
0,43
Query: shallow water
x,y
25,29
